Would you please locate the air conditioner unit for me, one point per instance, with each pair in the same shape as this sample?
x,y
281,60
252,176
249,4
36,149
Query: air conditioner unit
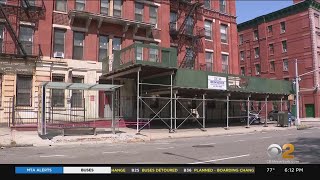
x,y
58,54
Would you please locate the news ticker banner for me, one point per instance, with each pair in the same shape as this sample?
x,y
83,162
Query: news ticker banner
x,y
133,170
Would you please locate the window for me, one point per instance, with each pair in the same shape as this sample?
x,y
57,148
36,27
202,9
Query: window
x,y
173,20
59,36
207,4
271,49
57,94
283,27
225,63
80,5
270,32
285,65
257,66
3,1
224,33
78,39
209,61
242,55
153,14
116,44
272,66
61,5
284,46
242,71
104,7
139,49
1,36
222,5
208,29
139,11
24,90
117,6
153,53
316,20
255,35
26,38
189,26
241,39
77,95
189,58
103,47
256,52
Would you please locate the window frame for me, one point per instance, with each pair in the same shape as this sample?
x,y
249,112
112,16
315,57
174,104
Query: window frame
x,y
117,9
225,63
209,31
209,64
61,1
57,44
222,6
284,46
155,16
102,7
77,46
224,41
104,49
19,89
137,14
272,66
271,49
28,43
285,61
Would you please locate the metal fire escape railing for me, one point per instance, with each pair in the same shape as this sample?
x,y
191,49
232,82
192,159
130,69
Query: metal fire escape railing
x,y
12,13
188,33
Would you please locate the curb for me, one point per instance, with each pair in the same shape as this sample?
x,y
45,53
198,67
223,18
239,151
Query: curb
x,y
2,146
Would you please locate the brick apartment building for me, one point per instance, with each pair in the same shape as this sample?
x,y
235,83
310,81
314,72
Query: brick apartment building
x,y
269,45
66,40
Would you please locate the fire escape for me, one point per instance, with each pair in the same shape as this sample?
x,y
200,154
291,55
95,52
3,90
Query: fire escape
x,y
12,13
187,33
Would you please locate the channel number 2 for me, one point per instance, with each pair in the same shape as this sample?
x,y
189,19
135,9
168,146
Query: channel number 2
x,y
286,154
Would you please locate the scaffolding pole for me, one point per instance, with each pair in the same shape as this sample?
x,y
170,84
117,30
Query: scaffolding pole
x,y
138,99
171,103
248,112
265,121
227,127
281,103
203,111
175,111
112,117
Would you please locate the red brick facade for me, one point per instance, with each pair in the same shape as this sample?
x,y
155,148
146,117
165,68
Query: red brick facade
x,y
298,41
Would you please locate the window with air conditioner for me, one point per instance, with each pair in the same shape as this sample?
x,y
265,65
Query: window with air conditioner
x,y
284,46
256,52
58,46
258,70
285,65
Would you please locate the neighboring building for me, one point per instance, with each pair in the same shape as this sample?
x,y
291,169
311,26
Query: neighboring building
x,y
269,45
66,41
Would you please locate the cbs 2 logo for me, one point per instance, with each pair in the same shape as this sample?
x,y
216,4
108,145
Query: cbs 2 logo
x,y
274,150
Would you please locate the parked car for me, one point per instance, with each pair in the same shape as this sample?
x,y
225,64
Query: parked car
x,y
273,115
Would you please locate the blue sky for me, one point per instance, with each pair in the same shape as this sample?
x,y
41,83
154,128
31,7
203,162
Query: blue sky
x,y
249,9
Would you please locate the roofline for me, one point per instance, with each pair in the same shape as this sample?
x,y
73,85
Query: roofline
x,y
293,9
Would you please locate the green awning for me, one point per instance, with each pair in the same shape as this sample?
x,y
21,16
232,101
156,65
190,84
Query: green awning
x,y
79,86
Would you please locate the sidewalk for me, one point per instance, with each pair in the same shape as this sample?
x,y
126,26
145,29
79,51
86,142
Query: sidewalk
x,y
13,138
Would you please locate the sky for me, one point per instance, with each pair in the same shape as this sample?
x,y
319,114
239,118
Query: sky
x,y
249,9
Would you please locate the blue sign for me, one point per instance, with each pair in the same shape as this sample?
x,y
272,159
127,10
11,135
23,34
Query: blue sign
x,y
39,170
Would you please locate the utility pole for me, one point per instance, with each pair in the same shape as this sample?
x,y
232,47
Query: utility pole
x,y
297,94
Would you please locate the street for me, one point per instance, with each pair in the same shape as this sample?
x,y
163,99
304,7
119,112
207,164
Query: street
x,y
250,148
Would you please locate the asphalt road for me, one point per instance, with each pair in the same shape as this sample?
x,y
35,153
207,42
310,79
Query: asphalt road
x,y
225,149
